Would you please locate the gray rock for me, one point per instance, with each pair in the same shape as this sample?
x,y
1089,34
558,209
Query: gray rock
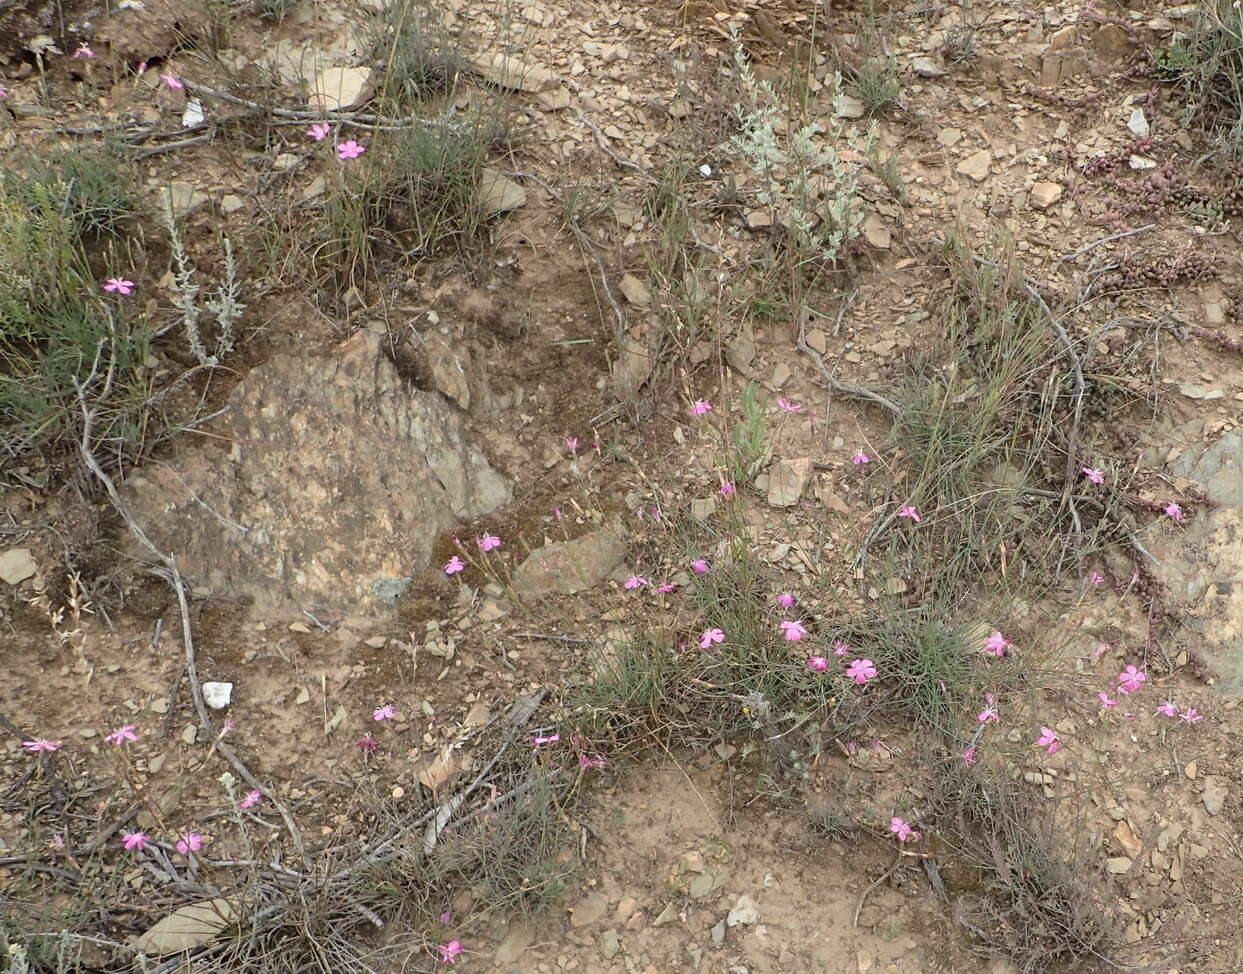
x,y
926,68
635,291
566,567
338,481
610,944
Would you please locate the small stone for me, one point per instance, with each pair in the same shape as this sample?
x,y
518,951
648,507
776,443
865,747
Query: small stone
x,y
817,340
1126,837
498,193
635,291
287,162
610,944
17,565
515,73
1118,864
786,481
231,203
693,862
718,934
518,938
590,909
1141,163
1138,124
217,695
976,165
398,791
848,106
1193,391
340,89
703,508
301,627
183,197
160,704
876,233
375,642
759,219
1044,195
949,137
189,734
625,909
744,913
1215,794
668,915
926,68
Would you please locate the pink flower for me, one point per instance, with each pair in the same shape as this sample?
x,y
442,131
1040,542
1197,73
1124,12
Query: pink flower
x,y
253,798
1174,511
488,542
1106,703
449,952
860,457
122,736
793,630
840,648
571,444
4,92
817,664
386,712
1168,709
969,756
728,489
84,51
666,588
1192,715
119,284
550,739
368,744
989,715
634,582
1049,740
1096,476
908,510
172,81
1096,578
902,829
34,747
58,842
710,636
592,762
700,566
190,842
135,840
786,406
446,917
454,565
319,131
997,644
1131,680
700,408
786,600
350,150
861,670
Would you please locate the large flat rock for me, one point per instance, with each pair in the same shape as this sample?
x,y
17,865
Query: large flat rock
x,y
337,483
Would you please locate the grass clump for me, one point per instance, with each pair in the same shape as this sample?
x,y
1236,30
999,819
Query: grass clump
x,y
416,192
1022,885
877,84
419,53
56,327
1208,64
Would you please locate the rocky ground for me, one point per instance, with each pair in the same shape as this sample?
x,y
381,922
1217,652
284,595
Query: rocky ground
x,y
535,383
